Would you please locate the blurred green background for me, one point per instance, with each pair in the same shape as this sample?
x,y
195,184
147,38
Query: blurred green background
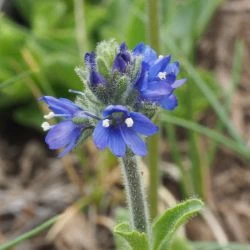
x,y
43,41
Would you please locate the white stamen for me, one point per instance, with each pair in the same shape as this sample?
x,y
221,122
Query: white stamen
x,y
46,126
106,123
160,56
129,122
162,75
49,115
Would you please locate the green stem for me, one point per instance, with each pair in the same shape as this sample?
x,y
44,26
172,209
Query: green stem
x,y
153,25
80,27
186,184
135,193
153,32
30,234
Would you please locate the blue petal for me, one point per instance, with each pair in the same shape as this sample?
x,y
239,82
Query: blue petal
x,y
62,134
89,59
169,102
159,66
179,83
141,82
61,105
139,49
157,89
101,136
116,142
96,78
123,47
122,59
119,64
124,52
170,78
72,144
114,108
173,68
142,124
133,141
149,55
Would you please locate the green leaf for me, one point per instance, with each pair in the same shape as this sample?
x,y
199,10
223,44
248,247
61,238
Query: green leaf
x,y
135,240
165,226
121,215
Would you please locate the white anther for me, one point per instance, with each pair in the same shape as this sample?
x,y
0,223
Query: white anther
x,y
49,115
106,123
129,122
46,126
160,56
162,75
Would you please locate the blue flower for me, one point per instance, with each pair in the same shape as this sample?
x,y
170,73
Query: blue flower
x,y
95,78
158,77
120,127
66,133
122,59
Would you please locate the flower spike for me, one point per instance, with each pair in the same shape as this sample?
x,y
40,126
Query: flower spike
x,y
122,91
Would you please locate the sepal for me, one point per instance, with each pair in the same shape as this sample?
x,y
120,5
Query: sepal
x,y
149,109
101,92
105,55
134,69
121,87
83,75
83,121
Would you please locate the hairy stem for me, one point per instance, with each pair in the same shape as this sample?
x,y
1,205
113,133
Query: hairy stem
x,y
135,193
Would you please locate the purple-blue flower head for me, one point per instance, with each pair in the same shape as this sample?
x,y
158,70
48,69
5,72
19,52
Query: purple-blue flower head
x,y
158,78
66,133
121,89
120,128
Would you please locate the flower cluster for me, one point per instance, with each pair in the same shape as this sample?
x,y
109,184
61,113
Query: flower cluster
x,y
121,91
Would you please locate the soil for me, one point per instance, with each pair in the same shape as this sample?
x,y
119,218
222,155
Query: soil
x,y
35,185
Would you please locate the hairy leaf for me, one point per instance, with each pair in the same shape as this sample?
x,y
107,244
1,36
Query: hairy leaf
x,y
165,226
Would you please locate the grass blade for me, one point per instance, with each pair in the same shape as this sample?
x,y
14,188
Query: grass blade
x,y
201,84
214,135
15,79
